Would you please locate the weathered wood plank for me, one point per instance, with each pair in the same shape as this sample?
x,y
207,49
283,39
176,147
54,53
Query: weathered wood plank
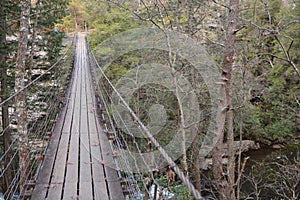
x,y
58,175
85,190
71,177
100,188
56,185
111,178
43,181
114,187
85,177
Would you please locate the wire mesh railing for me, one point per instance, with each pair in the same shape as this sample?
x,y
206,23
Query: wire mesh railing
x,y
44,96
130,157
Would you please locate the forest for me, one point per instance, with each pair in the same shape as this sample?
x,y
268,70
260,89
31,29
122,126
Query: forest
x,y
214,83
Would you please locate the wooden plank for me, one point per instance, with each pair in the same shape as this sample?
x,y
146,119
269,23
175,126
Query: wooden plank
x,y
85,190
70,190
85,177
43,181
114,186
111,178
45,174
100,182
100,188
58,175
56,185
71,178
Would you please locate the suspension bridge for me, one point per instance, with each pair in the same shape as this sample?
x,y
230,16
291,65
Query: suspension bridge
x,y
74,163
73,143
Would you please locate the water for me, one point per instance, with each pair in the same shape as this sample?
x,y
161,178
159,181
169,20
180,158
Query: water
x,y
266,171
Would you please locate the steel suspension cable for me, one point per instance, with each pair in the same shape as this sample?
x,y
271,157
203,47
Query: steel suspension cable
x,y
39,77
118,146
177,170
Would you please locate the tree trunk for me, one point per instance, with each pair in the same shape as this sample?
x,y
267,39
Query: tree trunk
x,y
181,124
5,125
225,181
34,30
195,169
3,93
20,99
195,174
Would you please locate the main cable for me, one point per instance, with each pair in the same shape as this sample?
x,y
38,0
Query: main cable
x,y
172,164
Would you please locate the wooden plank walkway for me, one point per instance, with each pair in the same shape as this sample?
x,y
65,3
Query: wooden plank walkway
x,y
75,162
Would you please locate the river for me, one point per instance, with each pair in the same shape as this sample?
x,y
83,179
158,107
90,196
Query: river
x,y
272,174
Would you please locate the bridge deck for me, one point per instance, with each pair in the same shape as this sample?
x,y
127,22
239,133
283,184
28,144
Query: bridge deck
x,y
75,163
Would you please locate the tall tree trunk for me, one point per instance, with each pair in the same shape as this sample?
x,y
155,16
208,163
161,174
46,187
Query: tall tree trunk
x,y
195,174
195,169
5,123
20,99
226,184
4,109
34,32
181,124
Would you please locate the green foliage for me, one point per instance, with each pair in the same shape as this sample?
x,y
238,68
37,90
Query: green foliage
x,y
252,121
266,30
265,44
162,181
116,71
112,20
76,14
51,13
273,125
54,45
181,192
280,128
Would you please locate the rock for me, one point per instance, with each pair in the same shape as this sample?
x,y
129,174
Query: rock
x,y
243,146
276,146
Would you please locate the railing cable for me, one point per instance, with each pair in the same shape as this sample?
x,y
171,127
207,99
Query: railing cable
x,y
177,170
38,78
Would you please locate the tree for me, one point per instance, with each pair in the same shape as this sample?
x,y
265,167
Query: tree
x,y
3,73
262,35
277,176
34,34
269,43
20,99
40,39
226,179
